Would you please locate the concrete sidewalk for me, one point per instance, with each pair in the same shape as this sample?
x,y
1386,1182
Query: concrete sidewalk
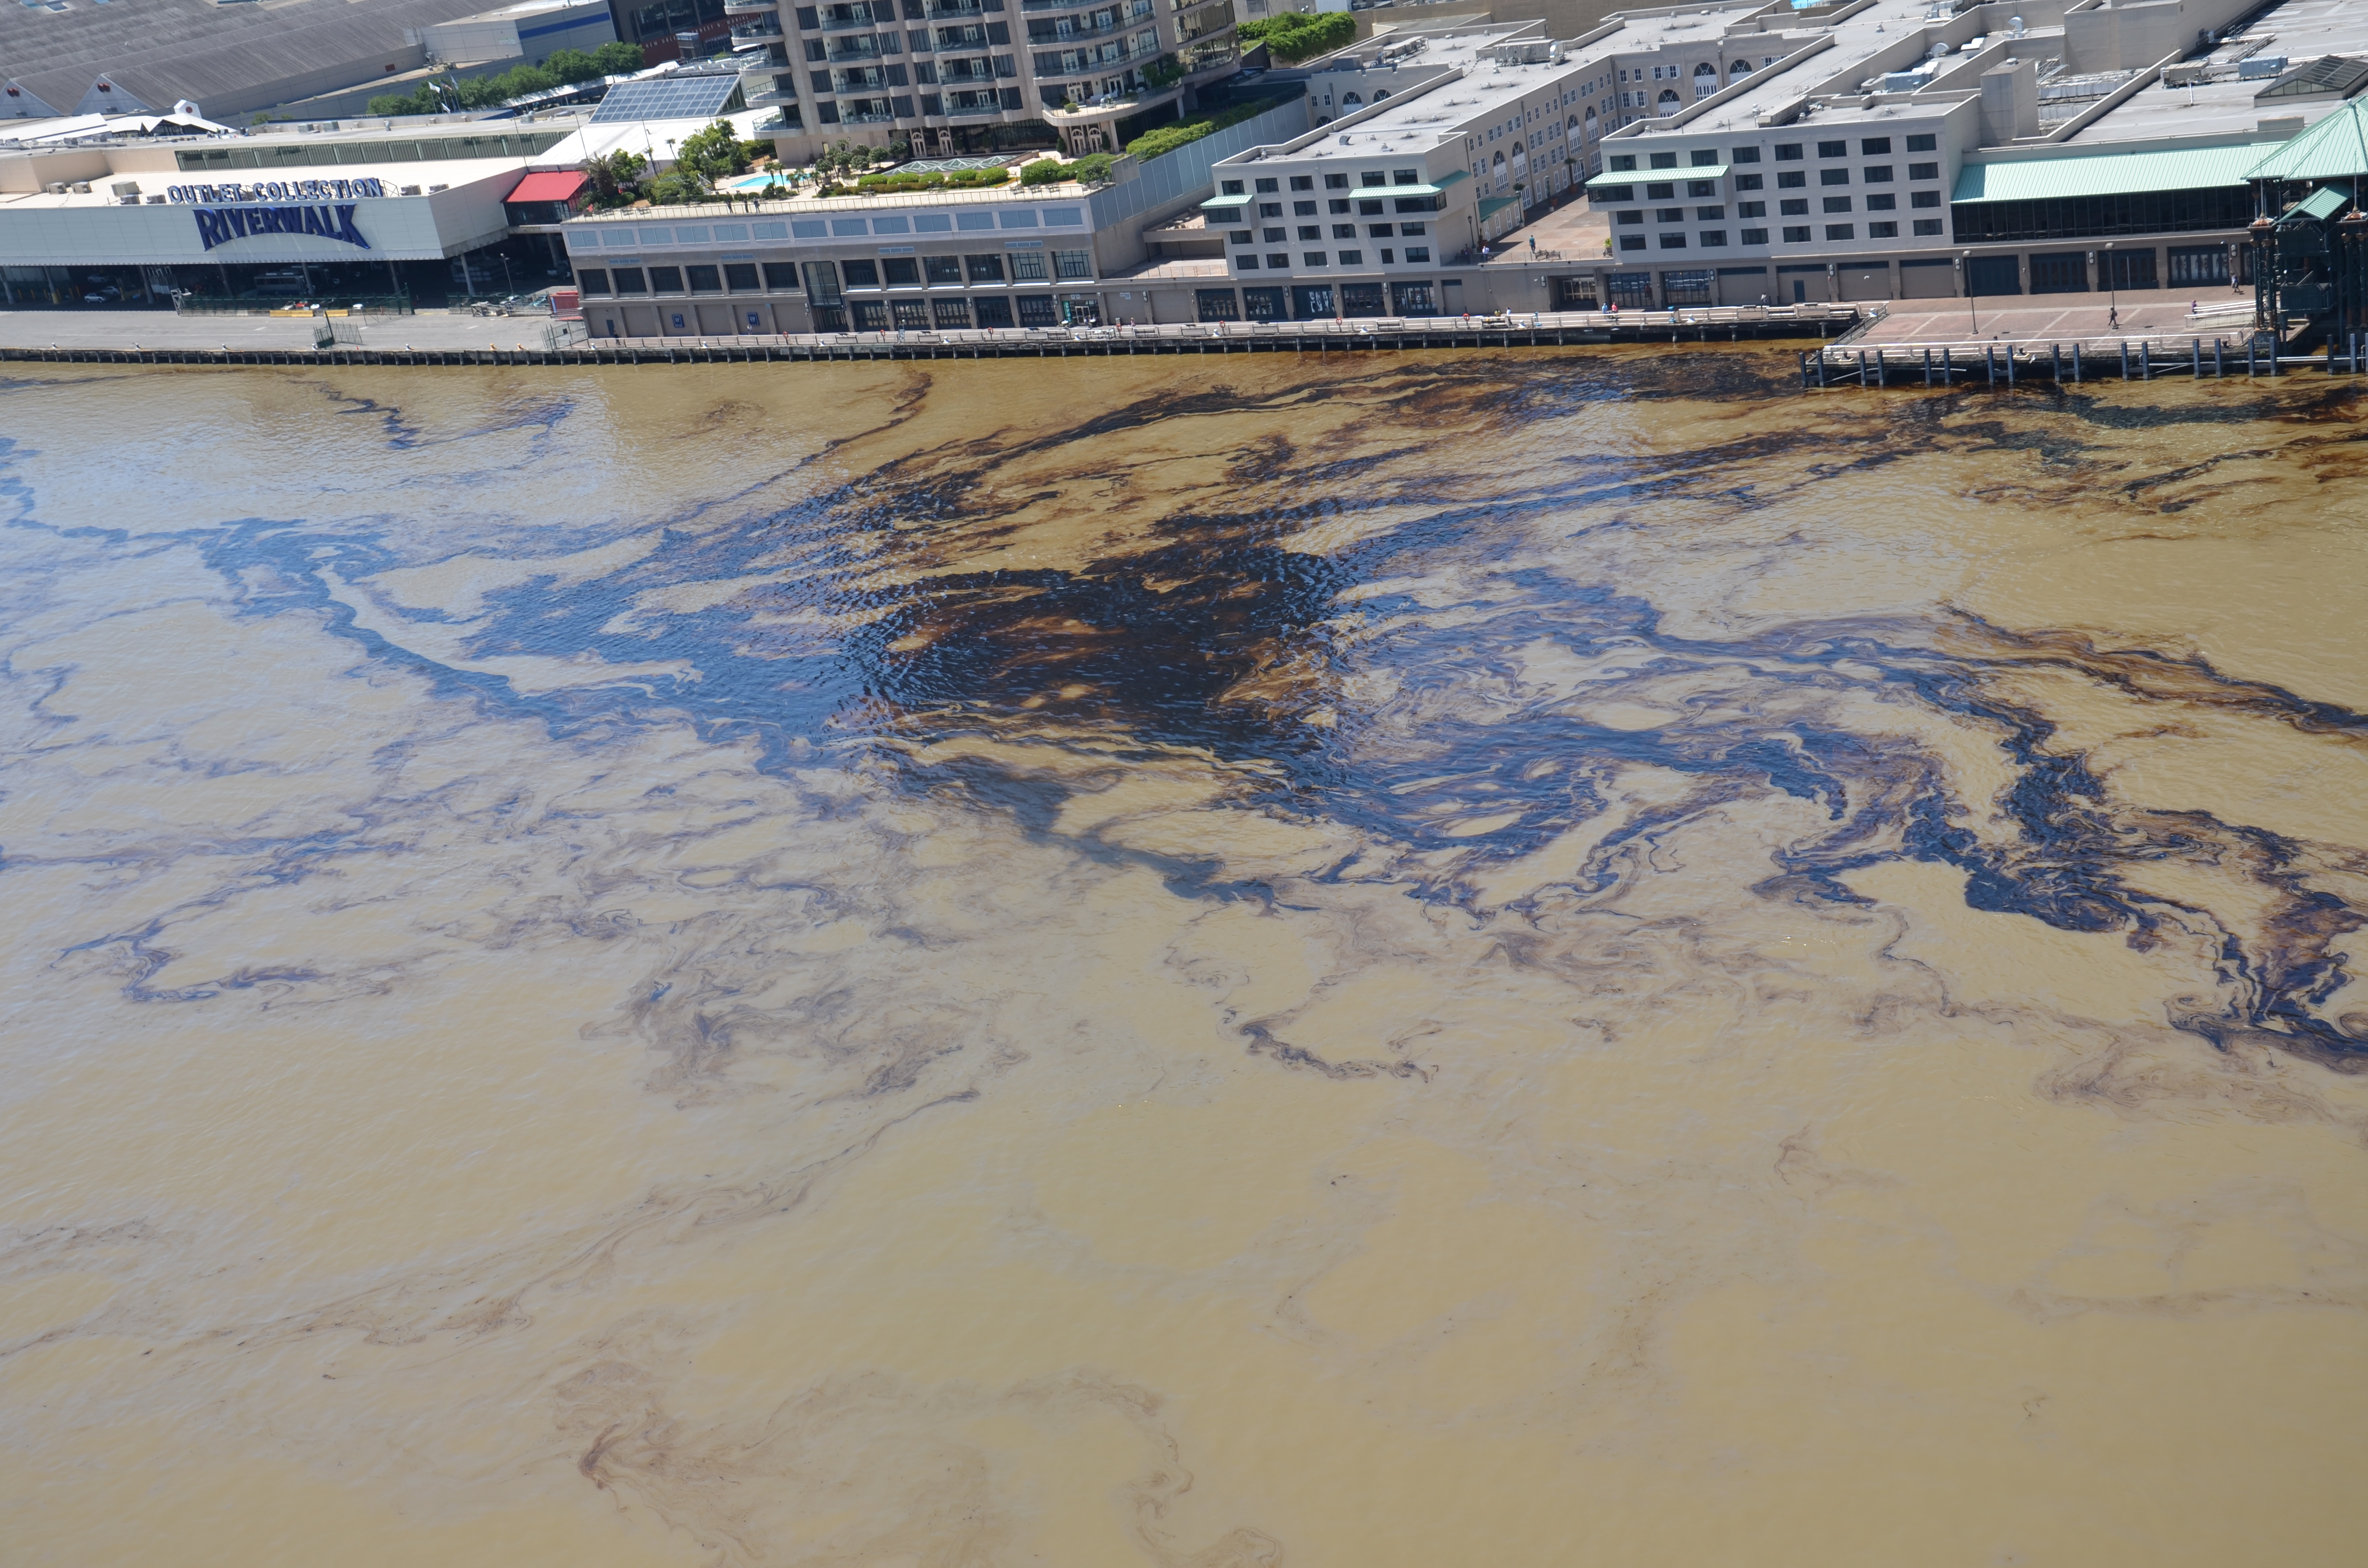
x,y
2160,314
163,329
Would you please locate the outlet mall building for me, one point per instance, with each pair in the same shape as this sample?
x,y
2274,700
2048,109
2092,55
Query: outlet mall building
x,y
129,211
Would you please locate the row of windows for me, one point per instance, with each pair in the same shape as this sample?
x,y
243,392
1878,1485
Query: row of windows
x,y
890,272
1280,261
2151,212
1342,207
1795,208
1339,231
1272,184
1794,234
939,315
1409,296
1786,151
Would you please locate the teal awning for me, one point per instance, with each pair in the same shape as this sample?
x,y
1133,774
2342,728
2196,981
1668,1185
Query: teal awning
x,y
1492,205
2324,202
1659,176
2108,173
1224,203
2336,148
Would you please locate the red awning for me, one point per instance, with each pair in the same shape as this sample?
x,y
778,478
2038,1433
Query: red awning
x,y
559,187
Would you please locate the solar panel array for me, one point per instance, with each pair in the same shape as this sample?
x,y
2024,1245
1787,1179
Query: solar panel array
x,y
673,96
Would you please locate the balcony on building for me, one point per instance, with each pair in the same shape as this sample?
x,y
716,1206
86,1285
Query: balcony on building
x,y
860,14
757,34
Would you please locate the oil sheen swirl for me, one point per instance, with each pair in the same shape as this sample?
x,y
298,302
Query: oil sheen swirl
x,y
1391,964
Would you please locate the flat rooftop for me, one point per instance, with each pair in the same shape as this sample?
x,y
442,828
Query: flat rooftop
x,y
2222,104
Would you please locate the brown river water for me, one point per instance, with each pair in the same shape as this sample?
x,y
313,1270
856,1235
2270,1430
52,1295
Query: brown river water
x,y
1204,964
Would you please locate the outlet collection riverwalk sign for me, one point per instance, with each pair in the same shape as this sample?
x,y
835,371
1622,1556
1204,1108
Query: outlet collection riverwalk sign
x,y
330,219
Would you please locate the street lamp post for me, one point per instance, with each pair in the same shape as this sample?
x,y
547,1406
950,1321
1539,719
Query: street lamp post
x,y
2112,289
1965,281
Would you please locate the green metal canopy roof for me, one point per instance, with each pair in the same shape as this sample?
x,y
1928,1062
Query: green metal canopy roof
x,y
2108,173
2334,148
1660,176
2325,202
1224,203
1492,205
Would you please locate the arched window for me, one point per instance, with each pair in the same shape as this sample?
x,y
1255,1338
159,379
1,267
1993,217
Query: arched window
x,y
1348,99
1740,68
1380,93
1705,79
1668,100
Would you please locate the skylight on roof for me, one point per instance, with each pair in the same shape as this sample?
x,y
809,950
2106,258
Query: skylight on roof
x,y
680,97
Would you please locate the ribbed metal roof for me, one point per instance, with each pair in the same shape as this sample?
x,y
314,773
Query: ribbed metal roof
x,y
229,59
2334,148
2108,173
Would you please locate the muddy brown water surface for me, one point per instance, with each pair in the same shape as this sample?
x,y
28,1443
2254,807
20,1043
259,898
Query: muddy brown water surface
x,y
1539,960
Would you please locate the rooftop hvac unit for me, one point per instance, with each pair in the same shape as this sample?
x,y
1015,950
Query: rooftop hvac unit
x,y
57,187
434,189
406,190
81,187
2261,65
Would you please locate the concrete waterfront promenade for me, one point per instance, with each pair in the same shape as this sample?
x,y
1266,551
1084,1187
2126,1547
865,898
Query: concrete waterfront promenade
x,y
131,337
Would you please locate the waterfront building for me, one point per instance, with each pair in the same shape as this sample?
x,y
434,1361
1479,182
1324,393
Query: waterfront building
x,y
405,209
1906,149
1012,255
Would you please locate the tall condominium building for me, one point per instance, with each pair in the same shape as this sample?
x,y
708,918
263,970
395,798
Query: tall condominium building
x,y
949,77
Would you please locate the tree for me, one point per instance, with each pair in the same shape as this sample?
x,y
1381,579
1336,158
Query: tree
x,y
710,155
616,178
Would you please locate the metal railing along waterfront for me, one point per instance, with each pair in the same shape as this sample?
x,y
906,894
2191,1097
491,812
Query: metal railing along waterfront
x,y
1997,363
1389,334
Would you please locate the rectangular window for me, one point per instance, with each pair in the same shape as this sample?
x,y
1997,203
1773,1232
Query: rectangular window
x,y
912,315
1673,242
1027,267
1377,231
1336,182
1795,207
1388,256
1709,214
1419,254
992,313
1833,176
1792,180
902,271
1746,155
1632,241
1875,146
1928,225
1369,209
829,318
1303,182
1837,204
1713,236
859,274
596,281
1924,198
1303,209
1337,208
1751,210
1833,149
665,280
871,315
1701,188
1274,236
1231,188
1751,182
1669,215
1876,173
1406,176
1269,186
984,268
1665,160
952,314
1344,231
1352,258
740,276
1797,233
782,276
1882,201
1311,231
1754,236
943,269
1923,143
1278,260
1315,258
1883,231
1923,171
704,280
1073,263
1408,231
1622,162
1788,152
1036,310
1660,190
1240,236
1705,157
1841,231
1269,208
1248,262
